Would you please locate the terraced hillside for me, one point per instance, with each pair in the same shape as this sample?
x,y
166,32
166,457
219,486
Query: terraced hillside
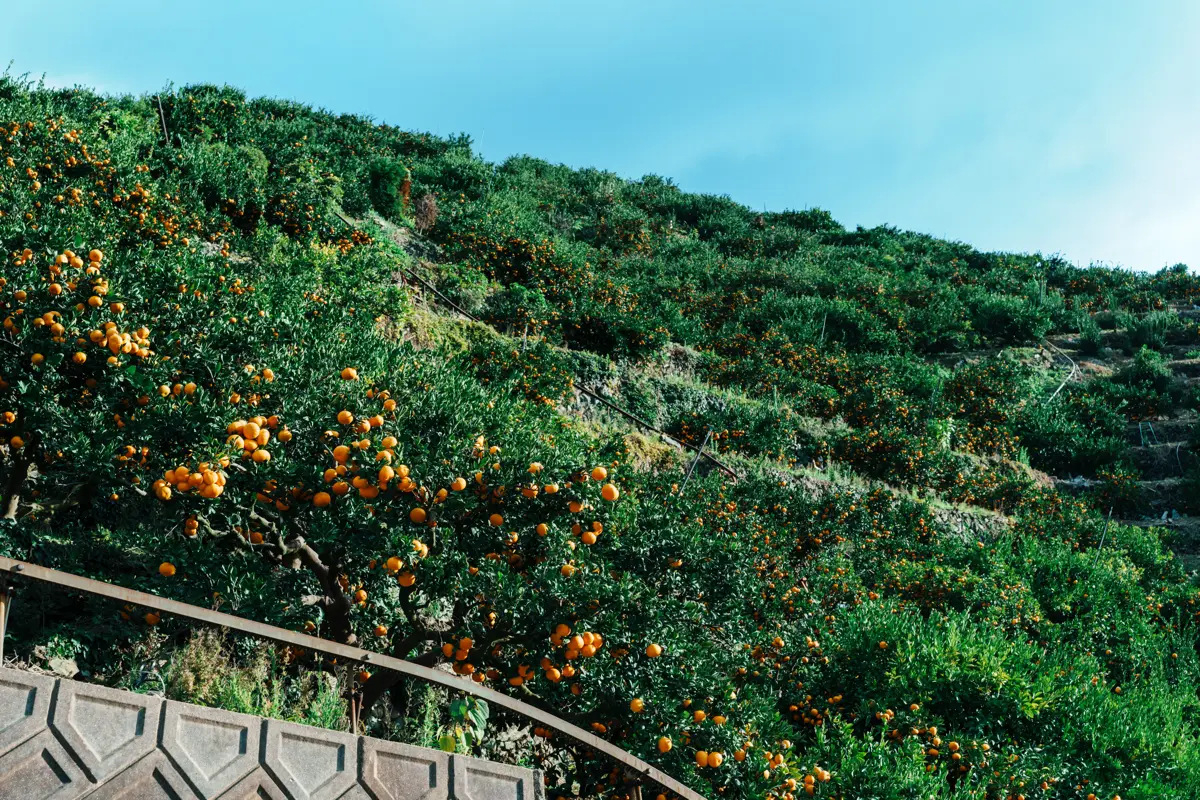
x,y
232,372
1159,489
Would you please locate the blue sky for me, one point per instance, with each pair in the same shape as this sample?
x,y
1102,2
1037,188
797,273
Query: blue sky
x,y
1061,127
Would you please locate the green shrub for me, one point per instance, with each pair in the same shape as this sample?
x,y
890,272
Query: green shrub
x,y
1078,433
385,181
1010,320
1154,329
1091,339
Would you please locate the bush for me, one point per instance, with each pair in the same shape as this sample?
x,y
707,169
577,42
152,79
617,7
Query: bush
x,y
385,187
1118,489
1010,320
1091,339
1076,434
1148,369
1153,329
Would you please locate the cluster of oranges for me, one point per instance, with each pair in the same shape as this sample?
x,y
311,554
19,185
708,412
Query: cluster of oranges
x,y
117,342
208,480
460,653
355,465
809,783
585,644
250,436
396,566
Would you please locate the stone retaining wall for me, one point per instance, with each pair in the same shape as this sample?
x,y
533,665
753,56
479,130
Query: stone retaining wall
x,y
64,739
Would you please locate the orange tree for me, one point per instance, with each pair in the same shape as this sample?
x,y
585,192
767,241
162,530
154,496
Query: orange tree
x,y
208,428
280,454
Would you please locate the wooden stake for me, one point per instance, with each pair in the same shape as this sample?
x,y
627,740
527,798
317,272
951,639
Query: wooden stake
x,y
1103,534
162,117
696,460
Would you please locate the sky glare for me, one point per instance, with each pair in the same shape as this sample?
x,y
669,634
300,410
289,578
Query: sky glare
x,y
1066,127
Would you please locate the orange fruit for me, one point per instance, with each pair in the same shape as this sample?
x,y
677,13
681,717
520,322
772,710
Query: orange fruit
x,y
599,474
701,758
610,492
322,499
417,515
349,374
637,705
664,744
654,650
407,579
166,569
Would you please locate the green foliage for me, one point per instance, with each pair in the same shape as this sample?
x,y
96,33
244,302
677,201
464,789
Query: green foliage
x,y
827,616
1153,329
1118,489
385,187
1091,339
1075,434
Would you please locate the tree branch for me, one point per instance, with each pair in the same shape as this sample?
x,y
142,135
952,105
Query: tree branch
x,y
337,603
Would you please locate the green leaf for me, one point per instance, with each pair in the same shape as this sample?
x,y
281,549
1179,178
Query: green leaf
x,y
447,743
478,715
458,709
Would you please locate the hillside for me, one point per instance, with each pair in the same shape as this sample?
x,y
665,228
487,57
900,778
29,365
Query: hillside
x,y
341,377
